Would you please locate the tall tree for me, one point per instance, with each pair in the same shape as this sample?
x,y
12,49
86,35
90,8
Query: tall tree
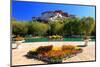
x,y
56,27
87,25
37,28
19,28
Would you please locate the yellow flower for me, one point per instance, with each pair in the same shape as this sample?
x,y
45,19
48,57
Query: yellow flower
x,y
77,48
33,49
56,48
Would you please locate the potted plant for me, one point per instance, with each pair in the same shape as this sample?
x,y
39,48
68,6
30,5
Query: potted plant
x,y
86,40
18,41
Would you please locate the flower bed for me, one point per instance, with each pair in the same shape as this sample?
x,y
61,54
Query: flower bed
x,y
55,37
18,38
47,54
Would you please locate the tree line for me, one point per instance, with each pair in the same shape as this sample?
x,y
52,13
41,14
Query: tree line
x,y
66,27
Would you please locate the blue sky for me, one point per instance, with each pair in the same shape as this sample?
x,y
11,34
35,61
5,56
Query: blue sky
x,y
24,11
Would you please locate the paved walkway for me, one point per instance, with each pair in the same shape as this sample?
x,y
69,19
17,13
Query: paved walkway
x,y
18,55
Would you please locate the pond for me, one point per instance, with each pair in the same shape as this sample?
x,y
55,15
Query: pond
x,y
46,39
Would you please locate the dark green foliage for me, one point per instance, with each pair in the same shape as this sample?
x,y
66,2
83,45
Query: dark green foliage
x,y
37,28
56,28
63,27
19,28
72,26
44,48
87,25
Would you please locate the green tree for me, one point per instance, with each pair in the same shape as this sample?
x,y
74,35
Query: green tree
x,y
19,28
76,28
37,28
56,27
87,25
72,26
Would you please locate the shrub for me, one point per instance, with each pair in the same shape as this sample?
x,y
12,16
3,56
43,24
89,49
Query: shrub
x,y
44,48
54,53
67,52
55,37
19,28
46,53
68,47
54,56
37,29
77,48
18,38
55,60
32,53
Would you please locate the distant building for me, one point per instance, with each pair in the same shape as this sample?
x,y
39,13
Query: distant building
x,y
52,16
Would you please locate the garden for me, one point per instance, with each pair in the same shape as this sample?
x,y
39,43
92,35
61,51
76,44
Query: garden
x,y
69,29
57,30
53,54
